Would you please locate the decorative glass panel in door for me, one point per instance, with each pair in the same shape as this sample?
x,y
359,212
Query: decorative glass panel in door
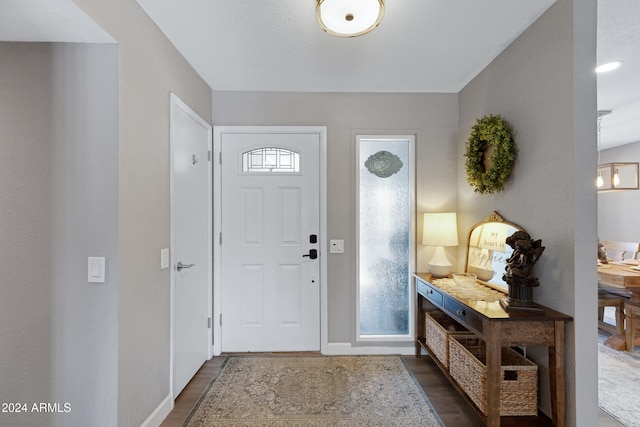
x,y
385,206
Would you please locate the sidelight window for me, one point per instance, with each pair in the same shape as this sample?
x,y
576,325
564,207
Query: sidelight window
x,y
385,206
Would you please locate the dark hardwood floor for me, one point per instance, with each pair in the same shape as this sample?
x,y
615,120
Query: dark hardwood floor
x,y
452,408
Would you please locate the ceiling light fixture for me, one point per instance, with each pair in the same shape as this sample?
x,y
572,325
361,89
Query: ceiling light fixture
x,y
349,18
609,66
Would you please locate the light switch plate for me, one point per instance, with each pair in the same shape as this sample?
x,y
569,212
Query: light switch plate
x,y
336,246
164,258
95,267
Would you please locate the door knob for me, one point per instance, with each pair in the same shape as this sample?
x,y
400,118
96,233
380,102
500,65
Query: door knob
x,y
180,266
313,254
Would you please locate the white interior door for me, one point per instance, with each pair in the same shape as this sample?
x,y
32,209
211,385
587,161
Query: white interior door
x,y
270,277
190,241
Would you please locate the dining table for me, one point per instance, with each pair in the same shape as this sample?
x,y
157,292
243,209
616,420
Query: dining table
x,y
620,274
617,277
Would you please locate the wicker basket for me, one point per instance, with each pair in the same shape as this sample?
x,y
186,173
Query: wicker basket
x,y
438,328
519,386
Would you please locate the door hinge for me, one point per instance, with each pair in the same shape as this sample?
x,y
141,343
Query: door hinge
x,y
209,155
220,157
220,238
208,322
220,319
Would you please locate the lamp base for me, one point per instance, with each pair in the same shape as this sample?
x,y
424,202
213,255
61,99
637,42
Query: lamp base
x,y
439,270
440,266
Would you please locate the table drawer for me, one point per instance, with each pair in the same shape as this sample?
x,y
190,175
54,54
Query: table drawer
x,y
430,293
464,314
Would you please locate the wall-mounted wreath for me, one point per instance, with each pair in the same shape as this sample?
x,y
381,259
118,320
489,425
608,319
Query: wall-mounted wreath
x,y
490,143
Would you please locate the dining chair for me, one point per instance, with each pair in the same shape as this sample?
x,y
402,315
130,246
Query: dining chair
x,y
606,299
619,251
616,251
632,308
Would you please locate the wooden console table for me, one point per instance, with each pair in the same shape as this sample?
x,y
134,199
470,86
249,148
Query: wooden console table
x,y
499,329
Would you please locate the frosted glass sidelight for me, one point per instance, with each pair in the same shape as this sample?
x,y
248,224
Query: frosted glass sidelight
x,y
384,236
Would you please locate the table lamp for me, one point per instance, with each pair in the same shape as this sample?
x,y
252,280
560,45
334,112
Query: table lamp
x,y
440,230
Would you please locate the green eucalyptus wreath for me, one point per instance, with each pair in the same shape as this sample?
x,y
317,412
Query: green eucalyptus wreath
x,y
490,130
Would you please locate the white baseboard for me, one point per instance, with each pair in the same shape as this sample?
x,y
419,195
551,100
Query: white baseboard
x,y
160,413
346,349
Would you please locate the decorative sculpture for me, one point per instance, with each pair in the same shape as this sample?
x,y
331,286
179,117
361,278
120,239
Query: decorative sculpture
x,y
602,254
526,252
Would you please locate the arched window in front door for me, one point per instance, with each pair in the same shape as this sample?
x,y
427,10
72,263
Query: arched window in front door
x,y
271,159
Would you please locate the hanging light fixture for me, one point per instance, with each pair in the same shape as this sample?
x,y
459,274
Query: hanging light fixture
x,y
349,18
618,175
601,113
616,178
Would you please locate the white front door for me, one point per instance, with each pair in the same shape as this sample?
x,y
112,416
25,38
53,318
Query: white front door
x,y
270,278
190,241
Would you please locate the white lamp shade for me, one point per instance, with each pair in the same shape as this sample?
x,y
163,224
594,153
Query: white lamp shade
x,y
440,229
349,18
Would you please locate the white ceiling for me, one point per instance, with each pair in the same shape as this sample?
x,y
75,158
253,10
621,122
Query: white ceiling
x,y
619,90
48,21
276,45
421,45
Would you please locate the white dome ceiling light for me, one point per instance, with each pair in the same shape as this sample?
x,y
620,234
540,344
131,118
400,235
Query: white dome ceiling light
x,y
349,18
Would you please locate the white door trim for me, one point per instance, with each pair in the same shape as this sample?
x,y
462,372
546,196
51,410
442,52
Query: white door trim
x,y
218,131
176,102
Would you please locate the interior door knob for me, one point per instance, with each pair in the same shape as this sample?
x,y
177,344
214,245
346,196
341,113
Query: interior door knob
x,y
180,266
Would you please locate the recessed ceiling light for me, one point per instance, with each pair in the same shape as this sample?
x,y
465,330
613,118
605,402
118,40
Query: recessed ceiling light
x,y
609,66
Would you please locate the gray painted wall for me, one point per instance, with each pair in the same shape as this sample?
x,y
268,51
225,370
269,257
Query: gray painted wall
x,y
58,205
618,210
150,69
433,117
544,85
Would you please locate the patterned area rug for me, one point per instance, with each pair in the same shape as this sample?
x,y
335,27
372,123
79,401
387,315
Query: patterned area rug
x,y
314,391
619,383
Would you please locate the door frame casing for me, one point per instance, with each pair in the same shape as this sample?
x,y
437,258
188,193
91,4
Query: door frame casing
x,y
218,132
176,102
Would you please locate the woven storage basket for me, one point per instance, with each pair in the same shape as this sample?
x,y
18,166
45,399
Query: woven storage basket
x,y
438,328
519,386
